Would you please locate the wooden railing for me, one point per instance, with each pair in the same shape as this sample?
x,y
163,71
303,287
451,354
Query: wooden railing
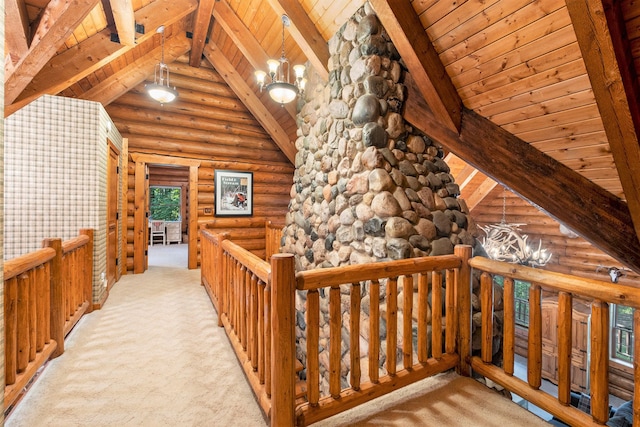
x,y
255,304
46,292
273,235
601,294
427,359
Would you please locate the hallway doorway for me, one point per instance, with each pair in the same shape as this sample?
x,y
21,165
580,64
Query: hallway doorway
x,y
175,255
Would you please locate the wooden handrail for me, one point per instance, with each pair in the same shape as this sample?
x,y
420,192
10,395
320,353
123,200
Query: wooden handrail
x,y
323,277
75,243
589,288
16,266
257,266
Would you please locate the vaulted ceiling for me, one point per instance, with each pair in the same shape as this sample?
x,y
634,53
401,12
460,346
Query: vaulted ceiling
x,y
539,95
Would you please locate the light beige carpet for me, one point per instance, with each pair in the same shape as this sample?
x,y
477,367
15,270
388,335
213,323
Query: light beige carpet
x,y
154,356
444,400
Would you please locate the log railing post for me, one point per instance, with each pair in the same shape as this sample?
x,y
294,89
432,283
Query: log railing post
x,y
463,304
58,314
283,285
88,269
599,366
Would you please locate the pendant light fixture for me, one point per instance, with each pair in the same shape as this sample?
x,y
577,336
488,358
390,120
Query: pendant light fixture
x,y
279,87
160,89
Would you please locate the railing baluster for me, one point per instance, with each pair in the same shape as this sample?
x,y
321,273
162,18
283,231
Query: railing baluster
x,y
509,325
23,322
335,341
11,329
253,322
423,301
436,315
534,350
486,307
392,324
354,334
374,331
33,314
565,307
267,339
407,321
313,337
261,331
242,305
636,367
450,312
599,368
46,292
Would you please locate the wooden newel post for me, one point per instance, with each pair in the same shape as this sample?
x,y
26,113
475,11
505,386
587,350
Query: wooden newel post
x,y
88,269
57,297
283,285
464,309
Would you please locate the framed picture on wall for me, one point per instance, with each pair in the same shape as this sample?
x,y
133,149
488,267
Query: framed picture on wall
x,y
233,193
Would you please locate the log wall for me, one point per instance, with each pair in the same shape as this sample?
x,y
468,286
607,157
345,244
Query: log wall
x,y
207,123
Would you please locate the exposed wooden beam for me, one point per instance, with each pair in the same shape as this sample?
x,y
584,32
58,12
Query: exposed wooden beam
x,y
201,31
412,42
602,38
306,35
17,31
597,215
125,21
136,72
250,100
59,20
244,40
76,63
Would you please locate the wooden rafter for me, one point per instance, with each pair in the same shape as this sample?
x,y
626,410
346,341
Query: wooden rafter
x,y
594,213
17,31
602,39
58,21
244,40
201,31
412,42
136,72
125,21
306,35
95,52
250,100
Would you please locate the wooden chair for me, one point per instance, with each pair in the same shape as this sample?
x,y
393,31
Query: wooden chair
x,y
157,230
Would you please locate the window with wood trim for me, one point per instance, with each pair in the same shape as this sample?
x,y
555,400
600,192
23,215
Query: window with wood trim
x,y
622,333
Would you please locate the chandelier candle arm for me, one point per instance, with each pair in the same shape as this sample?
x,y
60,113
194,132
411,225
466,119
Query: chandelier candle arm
x,y
279,87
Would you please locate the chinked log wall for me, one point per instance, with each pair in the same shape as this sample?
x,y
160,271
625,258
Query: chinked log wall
x,y
208,123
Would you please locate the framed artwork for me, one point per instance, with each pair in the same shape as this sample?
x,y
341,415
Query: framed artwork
x,y
233,193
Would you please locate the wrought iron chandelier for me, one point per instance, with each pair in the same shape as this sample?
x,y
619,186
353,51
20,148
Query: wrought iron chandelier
x,y
279,87
160,89
505,242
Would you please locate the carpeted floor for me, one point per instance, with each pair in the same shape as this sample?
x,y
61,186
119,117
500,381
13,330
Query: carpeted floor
x,y
154,356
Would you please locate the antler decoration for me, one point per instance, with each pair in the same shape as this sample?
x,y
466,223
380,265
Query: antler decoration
x,y
505,243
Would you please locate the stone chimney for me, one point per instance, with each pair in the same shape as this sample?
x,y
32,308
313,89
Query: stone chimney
x,y
367,185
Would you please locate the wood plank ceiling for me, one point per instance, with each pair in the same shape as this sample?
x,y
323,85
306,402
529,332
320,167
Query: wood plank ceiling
x,y
542,96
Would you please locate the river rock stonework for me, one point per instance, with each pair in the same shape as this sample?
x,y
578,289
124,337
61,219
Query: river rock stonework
x,y
367,185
